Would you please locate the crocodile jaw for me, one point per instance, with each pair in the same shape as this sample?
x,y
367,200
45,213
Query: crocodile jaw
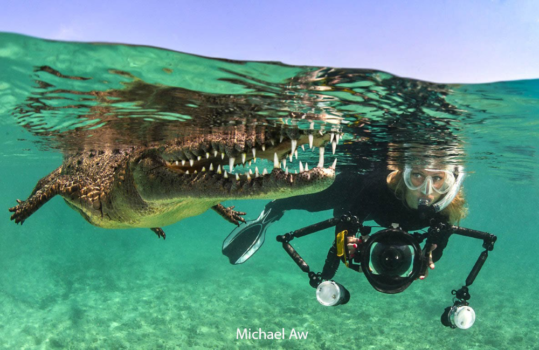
x,y
163,186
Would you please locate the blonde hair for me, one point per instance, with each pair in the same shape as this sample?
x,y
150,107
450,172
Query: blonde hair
x,y
455,211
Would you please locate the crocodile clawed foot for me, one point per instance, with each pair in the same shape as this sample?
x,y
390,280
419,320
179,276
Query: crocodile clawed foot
x,y
21,212
159,232
229,214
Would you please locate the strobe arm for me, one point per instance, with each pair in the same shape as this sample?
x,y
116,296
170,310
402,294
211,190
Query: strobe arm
x,y
286,238
488,244
488,239
296,257
463,295
313,228
460,314
314,278
332,262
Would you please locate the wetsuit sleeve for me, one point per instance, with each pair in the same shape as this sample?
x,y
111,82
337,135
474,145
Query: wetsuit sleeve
x,y
330,198
365,199
324,200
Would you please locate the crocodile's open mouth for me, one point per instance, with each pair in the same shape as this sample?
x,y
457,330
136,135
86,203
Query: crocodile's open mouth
x,y
246,162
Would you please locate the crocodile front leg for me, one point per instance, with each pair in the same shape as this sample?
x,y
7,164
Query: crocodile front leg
x,y
229,214
55,184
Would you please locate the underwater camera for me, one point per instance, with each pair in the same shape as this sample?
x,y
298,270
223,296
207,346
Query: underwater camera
x,y
391,259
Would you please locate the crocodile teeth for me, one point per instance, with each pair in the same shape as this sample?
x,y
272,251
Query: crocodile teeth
x,y
281,139
256,172
321,158
215,153
187,172
306,167
211,167
191,162
199,158
286,171
207,155
333,147
196,171
334,164
237,177
203,169
303,147
294,146
222,155
231,162
265,172
296,154
311,140
337,138
311,126
276,160
243,158
263,148
248,177
254,153
250,172
219,169
284,163
331,137
177,163
183,162
300,167
226,175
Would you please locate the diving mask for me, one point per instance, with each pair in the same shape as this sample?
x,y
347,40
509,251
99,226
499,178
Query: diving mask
x,y
434,180
428,180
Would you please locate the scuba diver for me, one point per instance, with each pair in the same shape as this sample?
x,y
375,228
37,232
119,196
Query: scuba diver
x,y
406,176
386,196
407,198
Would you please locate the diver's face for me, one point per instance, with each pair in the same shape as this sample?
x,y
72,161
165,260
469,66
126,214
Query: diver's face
x,y
426,181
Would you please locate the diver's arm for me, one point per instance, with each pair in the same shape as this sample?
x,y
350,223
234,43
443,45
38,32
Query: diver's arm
x,y
435,252
330,198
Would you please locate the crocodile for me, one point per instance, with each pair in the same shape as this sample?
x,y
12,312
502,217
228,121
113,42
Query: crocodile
x,y
162,183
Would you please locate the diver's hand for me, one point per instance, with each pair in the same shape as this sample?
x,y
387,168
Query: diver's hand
x,y
352,244
423,274
274,213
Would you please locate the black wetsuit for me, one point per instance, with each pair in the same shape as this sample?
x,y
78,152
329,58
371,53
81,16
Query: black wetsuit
x,y
366,196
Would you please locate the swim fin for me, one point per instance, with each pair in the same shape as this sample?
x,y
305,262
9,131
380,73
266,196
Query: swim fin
x,y
245,240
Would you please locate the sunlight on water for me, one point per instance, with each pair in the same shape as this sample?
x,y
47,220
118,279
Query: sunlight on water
x,y
67,284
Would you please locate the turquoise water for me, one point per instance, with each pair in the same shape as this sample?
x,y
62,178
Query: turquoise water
x,y
67,284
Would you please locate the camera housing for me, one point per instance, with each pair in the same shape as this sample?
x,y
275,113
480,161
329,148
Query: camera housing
x,y
391,260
